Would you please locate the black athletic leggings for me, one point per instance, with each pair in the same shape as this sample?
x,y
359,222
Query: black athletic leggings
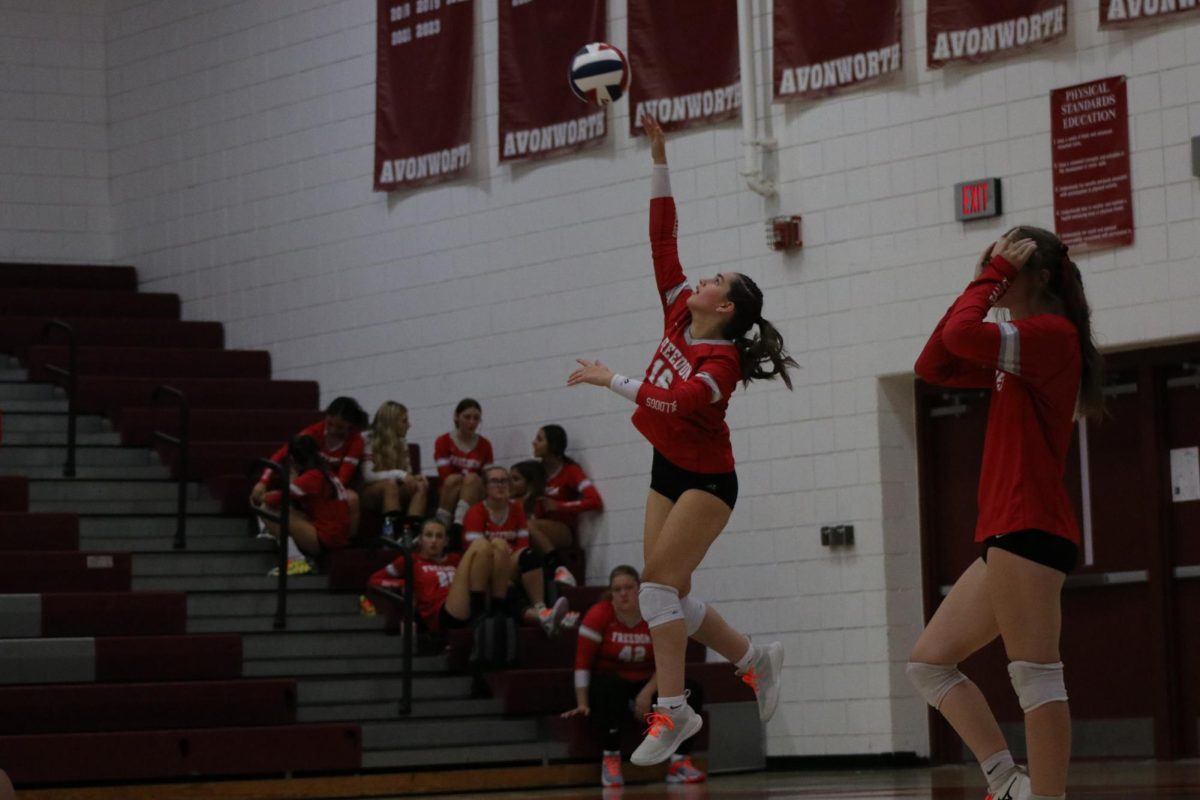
x,y
611,699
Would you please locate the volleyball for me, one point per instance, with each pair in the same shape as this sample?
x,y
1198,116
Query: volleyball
x,y
599,74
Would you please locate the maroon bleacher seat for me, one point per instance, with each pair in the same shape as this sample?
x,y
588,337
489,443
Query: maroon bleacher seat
x,y
207,459
14,493
107,396
189,657
35,572
18,334
137,425
151,362
114,614
29,532
15,275
87,303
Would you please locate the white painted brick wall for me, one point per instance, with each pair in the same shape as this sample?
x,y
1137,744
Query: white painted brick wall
x,y
241,153
54,203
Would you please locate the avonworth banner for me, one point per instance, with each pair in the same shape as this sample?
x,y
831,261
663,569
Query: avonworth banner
x,y
422,91
978,30
684,57
823,47
539,114
1123,12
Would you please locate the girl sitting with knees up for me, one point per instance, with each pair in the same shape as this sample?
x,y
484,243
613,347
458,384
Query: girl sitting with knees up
x,y
527,482
568,493
614,675
460,456
500,520
450,589
389,484
319,520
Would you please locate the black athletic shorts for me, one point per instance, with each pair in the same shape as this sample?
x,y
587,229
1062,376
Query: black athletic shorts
x,y
671,481
1037,546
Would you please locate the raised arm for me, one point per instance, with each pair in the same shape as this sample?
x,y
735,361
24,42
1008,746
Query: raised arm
x,y
664,226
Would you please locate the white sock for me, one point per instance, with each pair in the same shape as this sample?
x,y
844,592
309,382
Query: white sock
x,y
747,659
671,703
677,757
294,552
997,769
612,752
460,511
443,516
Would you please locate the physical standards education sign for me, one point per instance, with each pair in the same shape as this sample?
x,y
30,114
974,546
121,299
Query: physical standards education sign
x,y
1093,198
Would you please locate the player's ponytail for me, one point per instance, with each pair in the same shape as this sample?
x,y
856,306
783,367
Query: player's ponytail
x,y
305,454
766,347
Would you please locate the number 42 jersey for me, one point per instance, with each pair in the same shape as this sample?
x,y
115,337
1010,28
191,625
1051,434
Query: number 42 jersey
x,y
607,645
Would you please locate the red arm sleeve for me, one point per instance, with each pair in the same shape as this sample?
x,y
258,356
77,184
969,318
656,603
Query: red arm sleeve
x,y
352,459
939,366
664,249
278,456
1034,349
441,456
589,498
485,452
474,523
390,577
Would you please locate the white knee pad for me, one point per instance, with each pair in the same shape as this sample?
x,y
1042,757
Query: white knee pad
x,y
693,613
934,681
659,604
1037,684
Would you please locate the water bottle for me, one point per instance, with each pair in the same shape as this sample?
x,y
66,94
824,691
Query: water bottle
x,y
389,527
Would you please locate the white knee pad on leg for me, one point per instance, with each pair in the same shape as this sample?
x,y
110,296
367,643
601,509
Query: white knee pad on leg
x,y
934,681
1037,684
659,604
693,613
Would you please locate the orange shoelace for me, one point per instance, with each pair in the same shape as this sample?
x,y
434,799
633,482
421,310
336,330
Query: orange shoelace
x,y
750,678
655,721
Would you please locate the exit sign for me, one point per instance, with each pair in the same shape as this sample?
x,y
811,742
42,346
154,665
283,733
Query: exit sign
x,y
977,199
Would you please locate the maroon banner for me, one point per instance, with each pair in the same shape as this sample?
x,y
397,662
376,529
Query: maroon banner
x,y
684,57
1093,198
422,91
1114,13
978,30
821,48
539,114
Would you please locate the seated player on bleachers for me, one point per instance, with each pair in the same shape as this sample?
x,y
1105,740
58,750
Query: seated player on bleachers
x,y
501,521
614,675
568,492
527,484
341,445
460,456
389,484
319,520
451,589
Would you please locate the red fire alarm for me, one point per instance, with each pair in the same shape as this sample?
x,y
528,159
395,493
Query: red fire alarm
x,y
783,233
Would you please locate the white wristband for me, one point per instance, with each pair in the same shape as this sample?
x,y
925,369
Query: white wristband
x,y
660,181
626,387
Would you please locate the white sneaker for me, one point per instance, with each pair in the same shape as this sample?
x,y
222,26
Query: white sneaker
x,y
668,728
550,618
1015,788
563,575
763,677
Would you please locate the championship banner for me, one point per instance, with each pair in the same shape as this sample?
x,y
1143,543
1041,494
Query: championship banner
x,y
978,30
684,59
1114,13
822,48
539,114
423,78
1093,197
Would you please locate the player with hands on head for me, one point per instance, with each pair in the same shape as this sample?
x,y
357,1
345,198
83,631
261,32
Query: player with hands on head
x,y
705,350
1043,369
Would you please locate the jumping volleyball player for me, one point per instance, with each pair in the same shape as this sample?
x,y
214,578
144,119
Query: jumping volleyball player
x,y
681,406
1043,368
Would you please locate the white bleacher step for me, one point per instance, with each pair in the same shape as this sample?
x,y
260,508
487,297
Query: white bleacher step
x,y
464,754
187,563
52,423
101,438
447,733
225,583
10,372
164,543
387,710
160,525
261,603
121,507
74,489
297,667
295,622
288,645
33,455
23,391
142,473
371,688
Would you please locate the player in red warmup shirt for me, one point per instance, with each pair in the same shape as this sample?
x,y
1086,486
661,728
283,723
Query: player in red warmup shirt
x,y
460,456
319,520
614,670
451,588
500,520
567,492
341,445
681,405
1043,369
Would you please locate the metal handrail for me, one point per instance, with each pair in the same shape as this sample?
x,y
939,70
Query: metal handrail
x,y
406,545
285,507
71,374
181,442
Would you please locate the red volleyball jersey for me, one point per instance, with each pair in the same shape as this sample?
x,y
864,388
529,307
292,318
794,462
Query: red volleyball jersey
x,y
453,460
682,401
574,493
324,503
432,578
514,528
605,644
1033,367
343,462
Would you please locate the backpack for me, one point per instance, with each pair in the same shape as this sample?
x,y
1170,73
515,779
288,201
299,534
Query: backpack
x,y
495,645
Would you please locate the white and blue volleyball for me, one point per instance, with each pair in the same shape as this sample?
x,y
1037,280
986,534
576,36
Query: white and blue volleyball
x,y
599,74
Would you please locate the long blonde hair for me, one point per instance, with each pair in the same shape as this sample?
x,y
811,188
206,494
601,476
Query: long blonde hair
x,y
389,448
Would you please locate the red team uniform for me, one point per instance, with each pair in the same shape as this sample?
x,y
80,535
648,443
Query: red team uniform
x,y
452,460
607,645
681,403
342,462
324,503
432,577
1033,367
574,492
514,528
